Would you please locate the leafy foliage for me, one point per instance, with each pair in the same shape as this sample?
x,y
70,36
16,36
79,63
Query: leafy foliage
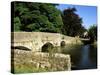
x,y
72,23
17,24
37,17
45,17
92,31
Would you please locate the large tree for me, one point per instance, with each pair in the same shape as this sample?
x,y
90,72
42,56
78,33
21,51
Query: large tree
x,y
36,17
92,31
72,23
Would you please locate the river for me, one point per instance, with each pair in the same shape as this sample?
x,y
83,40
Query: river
x,y
82,57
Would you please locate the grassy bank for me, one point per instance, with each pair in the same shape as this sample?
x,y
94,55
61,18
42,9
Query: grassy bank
x,y
28,68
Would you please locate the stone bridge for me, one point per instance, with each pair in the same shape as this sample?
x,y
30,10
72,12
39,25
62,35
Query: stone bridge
x,y
85,40
36,40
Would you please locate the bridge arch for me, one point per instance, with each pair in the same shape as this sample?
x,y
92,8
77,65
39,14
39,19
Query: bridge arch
x,y
47,46
21,48
63,43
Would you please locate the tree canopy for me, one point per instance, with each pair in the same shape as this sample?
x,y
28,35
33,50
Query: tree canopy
x,y
30,16
45,17
92,31
72,23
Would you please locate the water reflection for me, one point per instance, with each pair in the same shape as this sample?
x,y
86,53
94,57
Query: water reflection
x,y
82,57
85,62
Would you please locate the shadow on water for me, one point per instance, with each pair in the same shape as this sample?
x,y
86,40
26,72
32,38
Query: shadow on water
x,y
82,57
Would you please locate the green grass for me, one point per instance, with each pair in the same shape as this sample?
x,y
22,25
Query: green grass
x,y
28,69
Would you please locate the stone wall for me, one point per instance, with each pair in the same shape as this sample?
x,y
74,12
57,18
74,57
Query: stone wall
x,y
50,62
35,40
71,40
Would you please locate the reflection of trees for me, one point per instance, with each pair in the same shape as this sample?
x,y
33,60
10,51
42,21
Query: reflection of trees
x,y
93,54
74,51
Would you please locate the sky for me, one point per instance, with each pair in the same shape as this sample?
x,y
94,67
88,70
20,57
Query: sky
x,y
87,13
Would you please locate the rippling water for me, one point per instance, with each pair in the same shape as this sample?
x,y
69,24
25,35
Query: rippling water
x,y
82,57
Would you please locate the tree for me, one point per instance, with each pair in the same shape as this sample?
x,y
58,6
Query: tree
x,y
17,24
37,17
92,31
72,23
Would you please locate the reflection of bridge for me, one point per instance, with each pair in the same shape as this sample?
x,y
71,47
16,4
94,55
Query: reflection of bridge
x,y
36,40
85,40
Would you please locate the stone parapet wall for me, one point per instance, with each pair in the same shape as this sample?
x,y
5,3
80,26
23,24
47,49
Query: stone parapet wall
x,y
51,62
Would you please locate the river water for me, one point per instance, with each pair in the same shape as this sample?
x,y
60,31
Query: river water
x,y
82,57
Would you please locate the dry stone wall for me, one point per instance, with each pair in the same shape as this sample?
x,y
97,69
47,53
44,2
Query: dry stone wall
x,y
56,62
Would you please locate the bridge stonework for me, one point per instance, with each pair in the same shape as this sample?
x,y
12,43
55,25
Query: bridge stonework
x,y
35,40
